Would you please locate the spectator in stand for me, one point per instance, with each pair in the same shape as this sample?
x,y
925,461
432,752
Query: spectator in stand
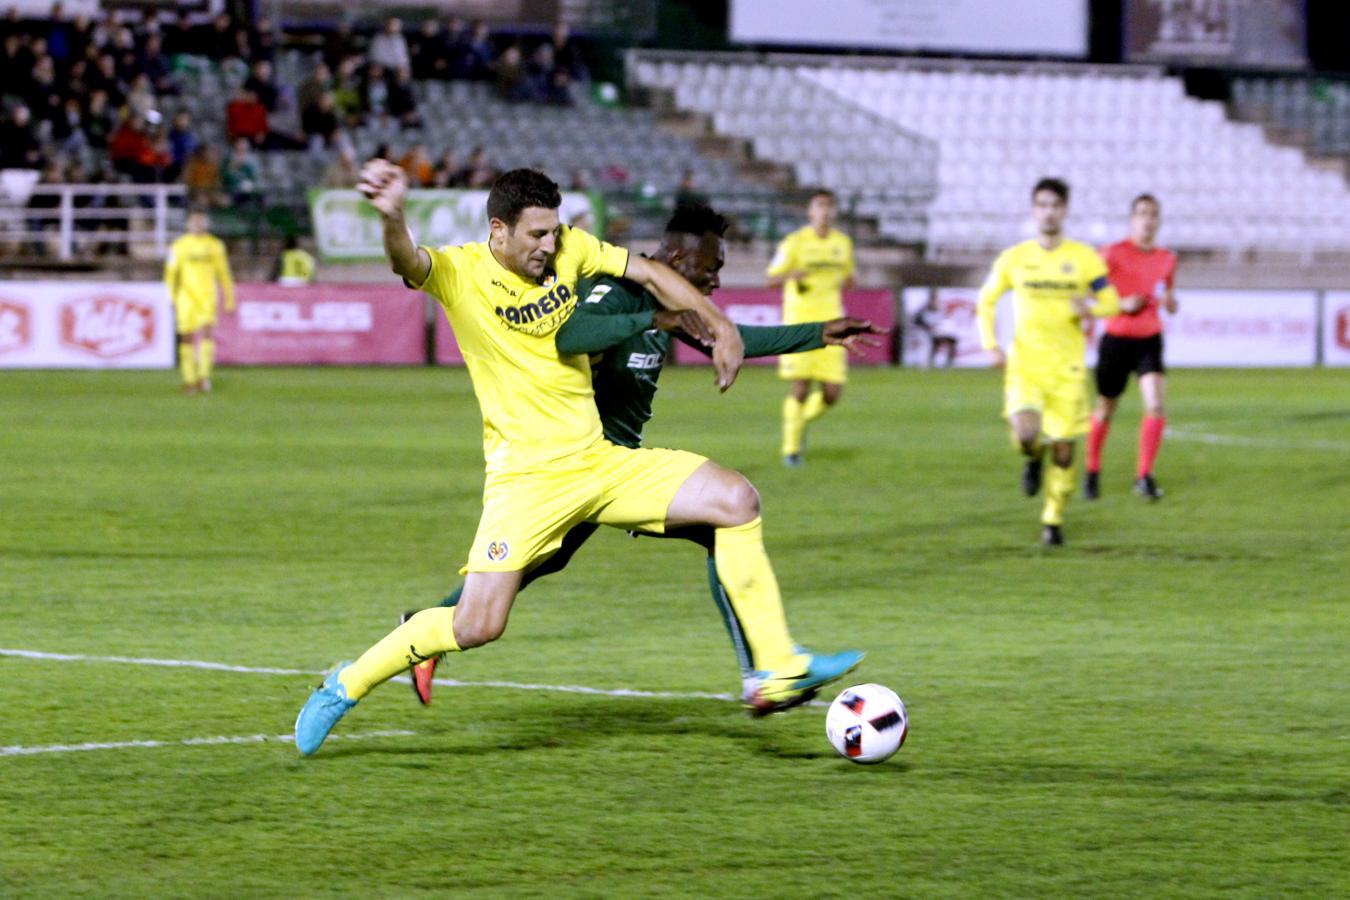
x,y
157,66
245,117
104,78
688,193
347,91
403,100
201,177
509,74
225,45
12,23
342,172
68,129
179,37
458,40
375,92
42,96
264,86
547,83
567,55
446,171
15,62
320,121
133,151
421,173
141,95
126,54
478,59
318,82
19,146
262,40
340,45
73,83
476,172
239,175
183,141
58,35
43,204
100,118
389,49
79,37
430,52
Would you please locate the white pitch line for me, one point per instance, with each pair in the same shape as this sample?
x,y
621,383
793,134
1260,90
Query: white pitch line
x,y
445,682
1231,440
19,750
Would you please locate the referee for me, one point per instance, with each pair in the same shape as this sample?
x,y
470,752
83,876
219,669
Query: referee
x,y
1138,268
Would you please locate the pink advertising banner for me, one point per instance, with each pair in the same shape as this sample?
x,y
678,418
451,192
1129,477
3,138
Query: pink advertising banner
x,y
323,324
447,348
763,306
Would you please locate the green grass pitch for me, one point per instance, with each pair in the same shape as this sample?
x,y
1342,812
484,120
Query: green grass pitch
x,y
1157,709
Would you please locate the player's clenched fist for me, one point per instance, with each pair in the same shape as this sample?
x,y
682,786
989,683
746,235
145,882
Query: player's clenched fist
x,y
385,185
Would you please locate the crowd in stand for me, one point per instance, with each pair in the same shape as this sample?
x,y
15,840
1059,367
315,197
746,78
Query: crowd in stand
x,y
80,98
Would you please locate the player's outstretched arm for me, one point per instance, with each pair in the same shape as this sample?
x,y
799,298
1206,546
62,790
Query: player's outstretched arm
x,y
673,292
386,187
853,334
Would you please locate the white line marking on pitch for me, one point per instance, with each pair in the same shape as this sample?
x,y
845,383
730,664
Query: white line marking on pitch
x,y
445,682
1231,440
18,750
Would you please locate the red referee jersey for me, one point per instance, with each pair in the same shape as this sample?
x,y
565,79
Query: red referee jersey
x,y
1148,273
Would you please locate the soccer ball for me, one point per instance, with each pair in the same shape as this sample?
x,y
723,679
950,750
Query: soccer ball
x,y
867,723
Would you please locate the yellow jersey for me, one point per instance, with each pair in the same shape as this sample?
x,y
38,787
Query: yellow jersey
x,y
537,404
1048,332
296,267
828,264
196,263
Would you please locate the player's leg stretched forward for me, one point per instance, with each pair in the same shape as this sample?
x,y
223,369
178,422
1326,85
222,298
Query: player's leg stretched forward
x,y
424,672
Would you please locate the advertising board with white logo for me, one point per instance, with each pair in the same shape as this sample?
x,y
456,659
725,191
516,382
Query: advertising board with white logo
x,y
85,325
323,324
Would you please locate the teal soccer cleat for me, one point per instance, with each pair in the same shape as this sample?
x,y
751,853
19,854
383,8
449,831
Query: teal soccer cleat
x,y
321,712
771,692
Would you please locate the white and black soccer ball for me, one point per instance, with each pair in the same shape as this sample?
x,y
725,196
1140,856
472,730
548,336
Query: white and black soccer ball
x,y
867,723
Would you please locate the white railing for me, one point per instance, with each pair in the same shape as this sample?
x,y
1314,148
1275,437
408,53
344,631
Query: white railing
x,y
141,215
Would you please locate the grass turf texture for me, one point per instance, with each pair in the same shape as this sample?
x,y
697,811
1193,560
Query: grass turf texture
x,y
1156,709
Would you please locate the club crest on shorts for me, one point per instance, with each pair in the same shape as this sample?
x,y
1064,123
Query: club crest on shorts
x,y
498,551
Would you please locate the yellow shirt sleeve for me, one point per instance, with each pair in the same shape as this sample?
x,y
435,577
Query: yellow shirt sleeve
x,y
1108,300
995,286
445,279
223,276
595,256
171,273
784,260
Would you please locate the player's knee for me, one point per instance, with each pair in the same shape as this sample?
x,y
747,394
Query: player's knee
x,y
831,394
470,634
1155,411
740,500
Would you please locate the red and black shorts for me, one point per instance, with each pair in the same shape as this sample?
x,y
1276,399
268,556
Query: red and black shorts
x,y
1117,357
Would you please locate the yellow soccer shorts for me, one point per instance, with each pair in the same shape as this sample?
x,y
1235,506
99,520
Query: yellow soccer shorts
x,y
194,315
526,513
828,364
1059,395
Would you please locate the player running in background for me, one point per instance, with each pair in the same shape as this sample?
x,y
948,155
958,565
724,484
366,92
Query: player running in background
x,y
627,334
815,265
196,267
1044,388
548,466
1139,268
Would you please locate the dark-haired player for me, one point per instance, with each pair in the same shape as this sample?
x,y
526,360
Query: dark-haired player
x,y
815,266
548,465
1054,283
1141,269
627,334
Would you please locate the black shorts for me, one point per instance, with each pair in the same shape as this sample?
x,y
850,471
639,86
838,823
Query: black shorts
x,y
1117,357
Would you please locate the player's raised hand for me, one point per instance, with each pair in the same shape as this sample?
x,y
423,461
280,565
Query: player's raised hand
x,y
685,321
1132,303
997,358
855,334
385,185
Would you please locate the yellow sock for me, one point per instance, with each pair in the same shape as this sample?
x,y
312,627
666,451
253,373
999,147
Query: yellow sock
x,y
814,407
208,357
430,632
794,423
1058,487
752,589
187,363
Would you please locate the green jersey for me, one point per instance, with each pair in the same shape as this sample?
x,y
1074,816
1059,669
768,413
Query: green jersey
x,y
614,323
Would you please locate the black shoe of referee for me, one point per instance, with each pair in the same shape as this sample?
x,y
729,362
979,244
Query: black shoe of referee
x,y
1147,488
1091,489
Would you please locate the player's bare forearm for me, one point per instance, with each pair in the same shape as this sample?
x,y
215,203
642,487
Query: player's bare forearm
x,y
408,260
674,292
